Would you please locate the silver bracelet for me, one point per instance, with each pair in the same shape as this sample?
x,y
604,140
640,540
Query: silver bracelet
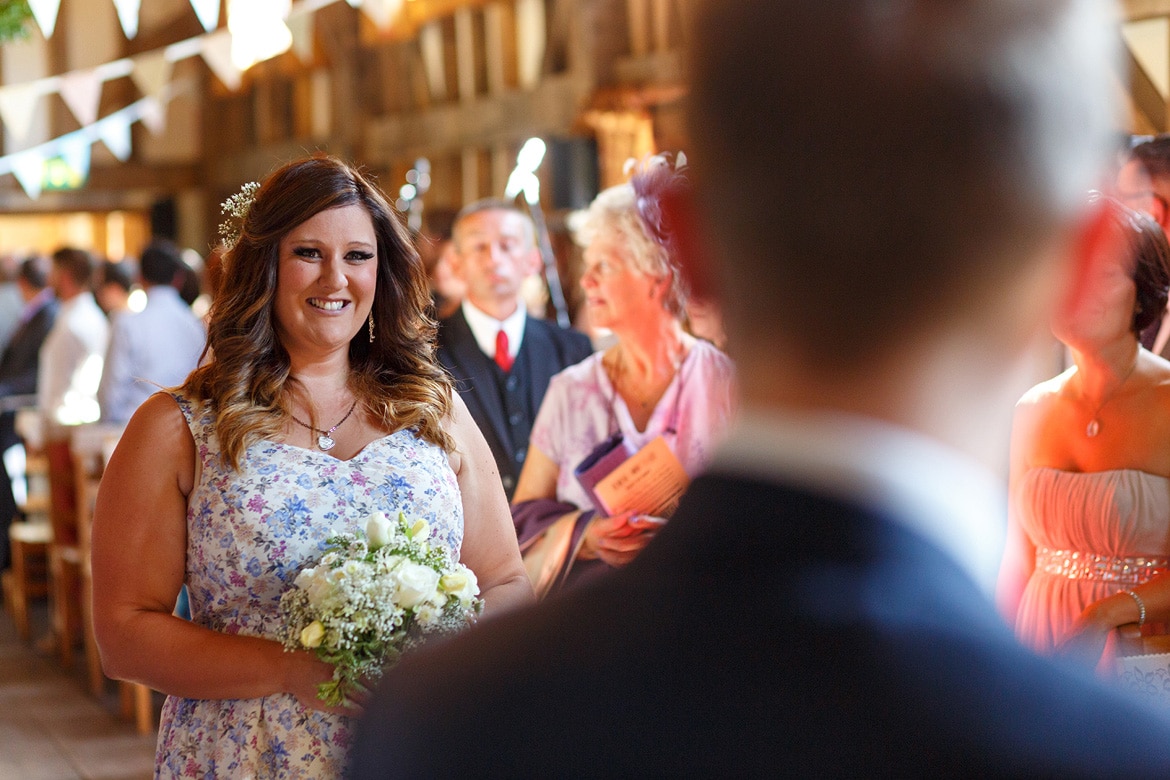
x,y
1141,607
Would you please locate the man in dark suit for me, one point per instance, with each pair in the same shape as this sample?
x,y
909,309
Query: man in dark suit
x,y
18,372
820,604
501,359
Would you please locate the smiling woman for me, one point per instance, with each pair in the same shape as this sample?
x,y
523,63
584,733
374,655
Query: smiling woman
x,y
320,405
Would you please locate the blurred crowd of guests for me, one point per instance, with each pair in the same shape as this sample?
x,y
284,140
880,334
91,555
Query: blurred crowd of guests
x,y
87,340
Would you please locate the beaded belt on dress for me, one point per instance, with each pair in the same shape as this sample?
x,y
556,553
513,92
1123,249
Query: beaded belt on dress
x,y
1087,566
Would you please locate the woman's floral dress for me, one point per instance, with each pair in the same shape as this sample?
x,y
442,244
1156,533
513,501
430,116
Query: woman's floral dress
x,y
248,533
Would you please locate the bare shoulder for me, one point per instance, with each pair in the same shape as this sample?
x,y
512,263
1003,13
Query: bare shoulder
x,y
462,428
1040,397
156,434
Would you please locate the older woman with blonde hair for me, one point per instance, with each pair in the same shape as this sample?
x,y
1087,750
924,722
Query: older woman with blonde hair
x,y
656,382
321,404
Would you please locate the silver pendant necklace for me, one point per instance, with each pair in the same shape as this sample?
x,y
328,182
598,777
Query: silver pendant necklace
x,y
1094,426
324,438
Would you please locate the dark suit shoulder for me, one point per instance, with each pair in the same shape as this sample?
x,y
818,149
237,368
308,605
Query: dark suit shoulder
x,y
572,346
716,653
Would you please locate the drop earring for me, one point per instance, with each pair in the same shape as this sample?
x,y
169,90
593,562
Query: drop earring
x,y
371,327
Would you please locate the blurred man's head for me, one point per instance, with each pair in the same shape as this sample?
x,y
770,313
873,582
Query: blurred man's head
x,y
72,272
494,251
33,276
1143,183
871,169
161,263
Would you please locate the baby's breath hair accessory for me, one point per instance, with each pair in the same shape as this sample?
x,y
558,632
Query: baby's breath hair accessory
x,y
235,209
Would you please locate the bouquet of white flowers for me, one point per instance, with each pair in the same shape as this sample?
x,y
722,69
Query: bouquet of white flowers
x,y
371,597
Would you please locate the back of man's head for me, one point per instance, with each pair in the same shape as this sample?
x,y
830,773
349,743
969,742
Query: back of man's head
x,y
34,272
77,265
869,166
160,262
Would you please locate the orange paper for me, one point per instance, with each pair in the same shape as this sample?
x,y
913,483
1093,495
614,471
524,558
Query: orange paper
x,y
649,482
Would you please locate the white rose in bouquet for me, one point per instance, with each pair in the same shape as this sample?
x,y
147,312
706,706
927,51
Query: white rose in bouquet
x,y
379,531
416,583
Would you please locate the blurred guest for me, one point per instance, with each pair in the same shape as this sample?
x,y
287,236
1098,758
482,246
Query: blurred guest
x,y
1090,474
112,291
889,204
11,303
68,376
706,321
435,248
71,358
18,371
656,381
1143,184
156,347
501,358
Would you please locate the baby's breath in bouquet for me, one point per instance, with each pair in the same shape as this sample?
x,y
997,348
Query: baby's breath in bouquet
x,y
373,596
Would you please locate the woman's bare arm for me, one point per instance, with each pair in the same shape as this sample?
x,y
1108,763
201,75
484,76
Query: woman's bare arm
x,y
139,559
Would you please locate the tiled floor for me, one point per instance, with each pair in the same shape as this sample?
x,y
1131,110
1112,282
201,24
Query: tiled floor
x,y
51,729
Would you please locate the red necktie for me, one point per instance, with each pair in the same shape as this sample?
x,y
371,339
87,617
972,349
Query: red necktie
x,y
503,357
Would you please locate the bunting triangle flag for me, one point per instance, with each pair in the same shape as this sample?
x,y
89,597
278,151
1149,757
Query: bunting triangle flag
x,y
76,150
82,92
45,12
208,13
301,26
151,71
154,115
128,15
29,169
217,53
381,12
114,132
18,103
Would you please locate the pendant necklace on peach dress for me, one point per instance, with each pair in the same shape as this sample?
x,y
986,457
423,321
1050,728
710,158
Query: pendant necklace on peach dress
x,y
1094,426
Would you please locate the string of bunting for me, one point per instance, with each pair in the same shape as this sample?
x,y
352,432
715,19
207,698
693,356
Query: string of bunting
x,y
151,72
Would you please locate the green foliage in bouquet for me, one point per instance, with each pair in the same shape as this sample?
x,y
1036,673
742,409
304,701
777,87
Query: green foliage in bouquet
x,y
372,597
14,17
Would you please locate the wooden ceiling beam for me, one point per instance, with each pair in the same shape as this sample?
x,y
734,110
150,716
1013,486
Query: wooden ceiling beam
x,y
1146,97
1136,10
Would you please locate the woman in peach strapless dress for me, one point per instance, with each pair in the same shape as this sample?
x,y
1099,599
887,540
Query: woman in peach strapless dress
x,y
1090,472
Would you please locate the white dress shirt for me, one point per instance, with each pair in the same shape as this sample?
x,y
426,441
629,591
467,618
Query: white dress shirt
x,y
932,489
71,363
156,347
485,327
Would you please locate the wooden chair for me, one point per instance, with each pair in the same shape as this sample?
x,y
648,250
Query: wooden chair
x,y
29,540
65,555
90,447
28,575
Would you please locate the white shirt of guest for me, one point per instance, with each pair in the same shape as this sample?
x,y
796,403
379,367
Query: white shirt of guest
x,y
931,489
156,347
71,363
485,327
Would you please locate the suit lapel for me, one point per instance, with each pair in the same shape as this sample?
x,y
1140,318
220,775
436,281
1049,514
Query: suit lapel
x,y
538,351
475,371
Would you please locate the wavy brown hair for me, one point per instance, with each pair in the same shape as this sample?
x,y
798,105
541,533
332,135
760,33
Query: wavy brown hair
x,y
247,378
